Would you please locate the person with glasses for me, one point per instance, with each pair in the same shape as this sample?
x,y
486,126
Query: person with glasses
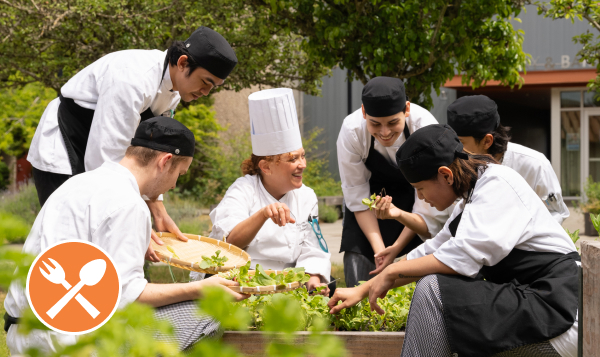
x,y
269,212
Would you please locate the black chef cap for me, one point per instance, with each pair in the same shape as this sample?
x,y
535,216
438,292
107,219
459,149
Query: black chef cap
x,y
428,149
474,115
165,134
384,96
211,51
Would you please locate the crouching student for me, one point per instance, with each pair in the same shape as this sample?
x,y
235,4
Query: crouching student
x,y
501,277
476,121
269,212
105,207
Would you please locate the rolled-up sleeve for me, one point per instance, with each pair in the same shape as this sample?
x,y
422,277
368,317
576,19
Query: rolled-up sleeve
x,y
233,209
125,235
547,184
353,172
486,233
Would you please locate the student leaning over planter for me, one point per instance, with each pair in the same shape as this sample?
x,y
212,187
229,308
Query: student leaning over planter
x,y
500,277
105,206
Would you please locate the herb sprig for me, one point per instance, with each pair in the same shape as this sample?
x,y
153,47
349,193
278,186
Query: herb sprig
x,y
261,278
213,261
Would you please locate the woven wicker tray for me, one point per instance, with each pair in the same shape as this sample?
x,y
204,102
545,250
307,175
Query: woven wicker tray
x,y
269,289
190,253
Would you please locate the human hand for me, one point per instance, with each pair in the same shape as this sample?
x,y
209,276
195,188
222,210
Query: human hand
x,y
379,287
279,213
385,258
163,222
315,282
150,254
348,296
385,209
223,283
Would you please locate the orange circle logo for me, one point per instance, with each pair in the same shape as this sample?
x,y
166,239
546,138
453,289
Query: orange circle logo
x,y
73,287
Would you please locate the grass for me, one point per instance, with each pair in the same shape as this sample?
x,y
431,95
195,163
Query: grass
x,y
23,204
4,351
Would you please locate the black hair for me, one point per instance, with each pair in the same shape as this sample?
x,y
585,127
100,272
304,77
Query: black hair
x,y
178,49
501,138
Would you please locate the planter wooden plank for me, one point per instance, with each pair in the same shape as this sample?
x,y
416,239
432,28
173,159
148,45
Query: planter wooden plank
x,y
590,260
358,344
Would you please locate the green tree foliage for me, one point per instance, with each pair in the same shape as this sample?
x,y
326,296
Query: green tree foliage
x,y
579,9
423,42
49,41
20,113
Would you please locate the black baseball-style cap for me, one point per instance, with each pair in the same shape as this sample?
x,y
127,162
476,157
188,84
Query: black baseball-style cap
x,y
428,149
211,51
384,96
473,115
165,134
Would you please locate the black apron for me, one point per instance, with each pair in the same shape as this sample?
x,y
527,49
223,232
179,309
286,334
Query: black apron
x,y
383,175
75,123
528,297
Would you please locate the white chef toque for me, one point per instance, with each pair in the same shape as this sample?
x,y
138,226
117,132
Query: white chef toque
x,y
274,122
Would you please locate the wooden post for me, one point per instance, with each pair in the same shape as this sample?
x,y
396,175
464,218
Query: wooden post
x,y
590,261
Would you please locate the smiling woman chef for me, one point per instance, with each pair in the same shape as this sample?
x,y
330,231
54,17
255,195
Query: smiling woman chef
x,y
99,109
501,277
366,148
269,212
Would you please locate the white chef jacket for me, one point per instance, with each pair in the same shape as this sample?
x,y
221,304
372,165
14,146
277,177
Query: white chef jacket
x,y
118,87
104,207
505,213
274,247
353,144
534,168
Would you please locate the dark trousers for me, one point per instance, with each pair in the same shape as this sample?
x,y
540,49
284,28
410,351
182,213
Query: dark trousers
x,y
46,183
357,268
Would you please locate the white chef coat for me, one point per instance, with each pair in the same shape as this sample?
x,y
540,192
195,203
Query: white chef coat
x,y
274,247
119,87
534,168
505,213
353,145
104,207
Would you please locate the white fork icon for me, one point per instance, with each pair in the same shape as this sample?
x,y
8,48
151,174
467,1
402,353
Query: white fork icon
x,y
56,275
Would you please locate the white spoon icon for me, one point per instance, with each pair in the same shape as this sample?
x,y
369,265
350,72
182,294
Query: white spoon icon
x,y
90,274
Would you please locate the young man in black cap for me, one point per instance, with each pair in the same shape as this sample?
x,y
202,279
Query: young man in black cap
x,y
366,149
477,124
100,108
105,206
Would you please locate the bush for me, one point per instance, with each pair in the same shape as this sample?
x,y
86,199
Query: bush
x,y
328,214
23,204
317,175
4,176
592,194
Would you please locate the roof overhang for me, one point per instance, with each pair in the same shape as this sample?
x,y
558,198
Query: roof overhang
x,y
573,77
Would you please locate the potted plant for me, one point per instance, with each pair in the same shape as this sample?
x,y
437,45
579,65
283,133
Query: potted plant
x,y
591,205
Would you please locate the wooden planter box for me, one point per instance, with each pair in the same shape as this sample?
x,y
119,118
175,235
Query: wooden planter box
x,y
358,344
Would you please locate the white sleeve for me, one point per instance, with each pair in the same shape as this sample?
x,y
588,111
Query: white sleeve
x,y
122,97
431,245
434,219
353,172
234,208
125,236
490,227
312,257
547,184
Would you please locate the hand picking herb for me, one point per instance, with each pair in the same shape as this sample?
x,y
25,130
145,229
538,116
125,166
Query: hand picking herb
x,y
213,261
372,201
261,278
172,251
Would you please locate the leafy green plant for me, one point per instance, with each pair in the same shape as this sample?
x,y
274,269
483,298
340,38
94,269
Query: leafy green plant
x,y
595,221
243,276
370,202
575,235
592,196
314,310
328,214
213,261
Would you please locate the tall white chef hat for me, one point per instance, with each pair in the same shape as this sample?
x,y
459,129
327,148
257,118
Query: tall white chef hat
x,y
274,122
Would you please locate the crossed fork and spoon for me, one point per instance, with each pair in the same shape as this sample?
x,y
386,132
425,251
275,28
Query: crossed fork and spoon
x,y
90,274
